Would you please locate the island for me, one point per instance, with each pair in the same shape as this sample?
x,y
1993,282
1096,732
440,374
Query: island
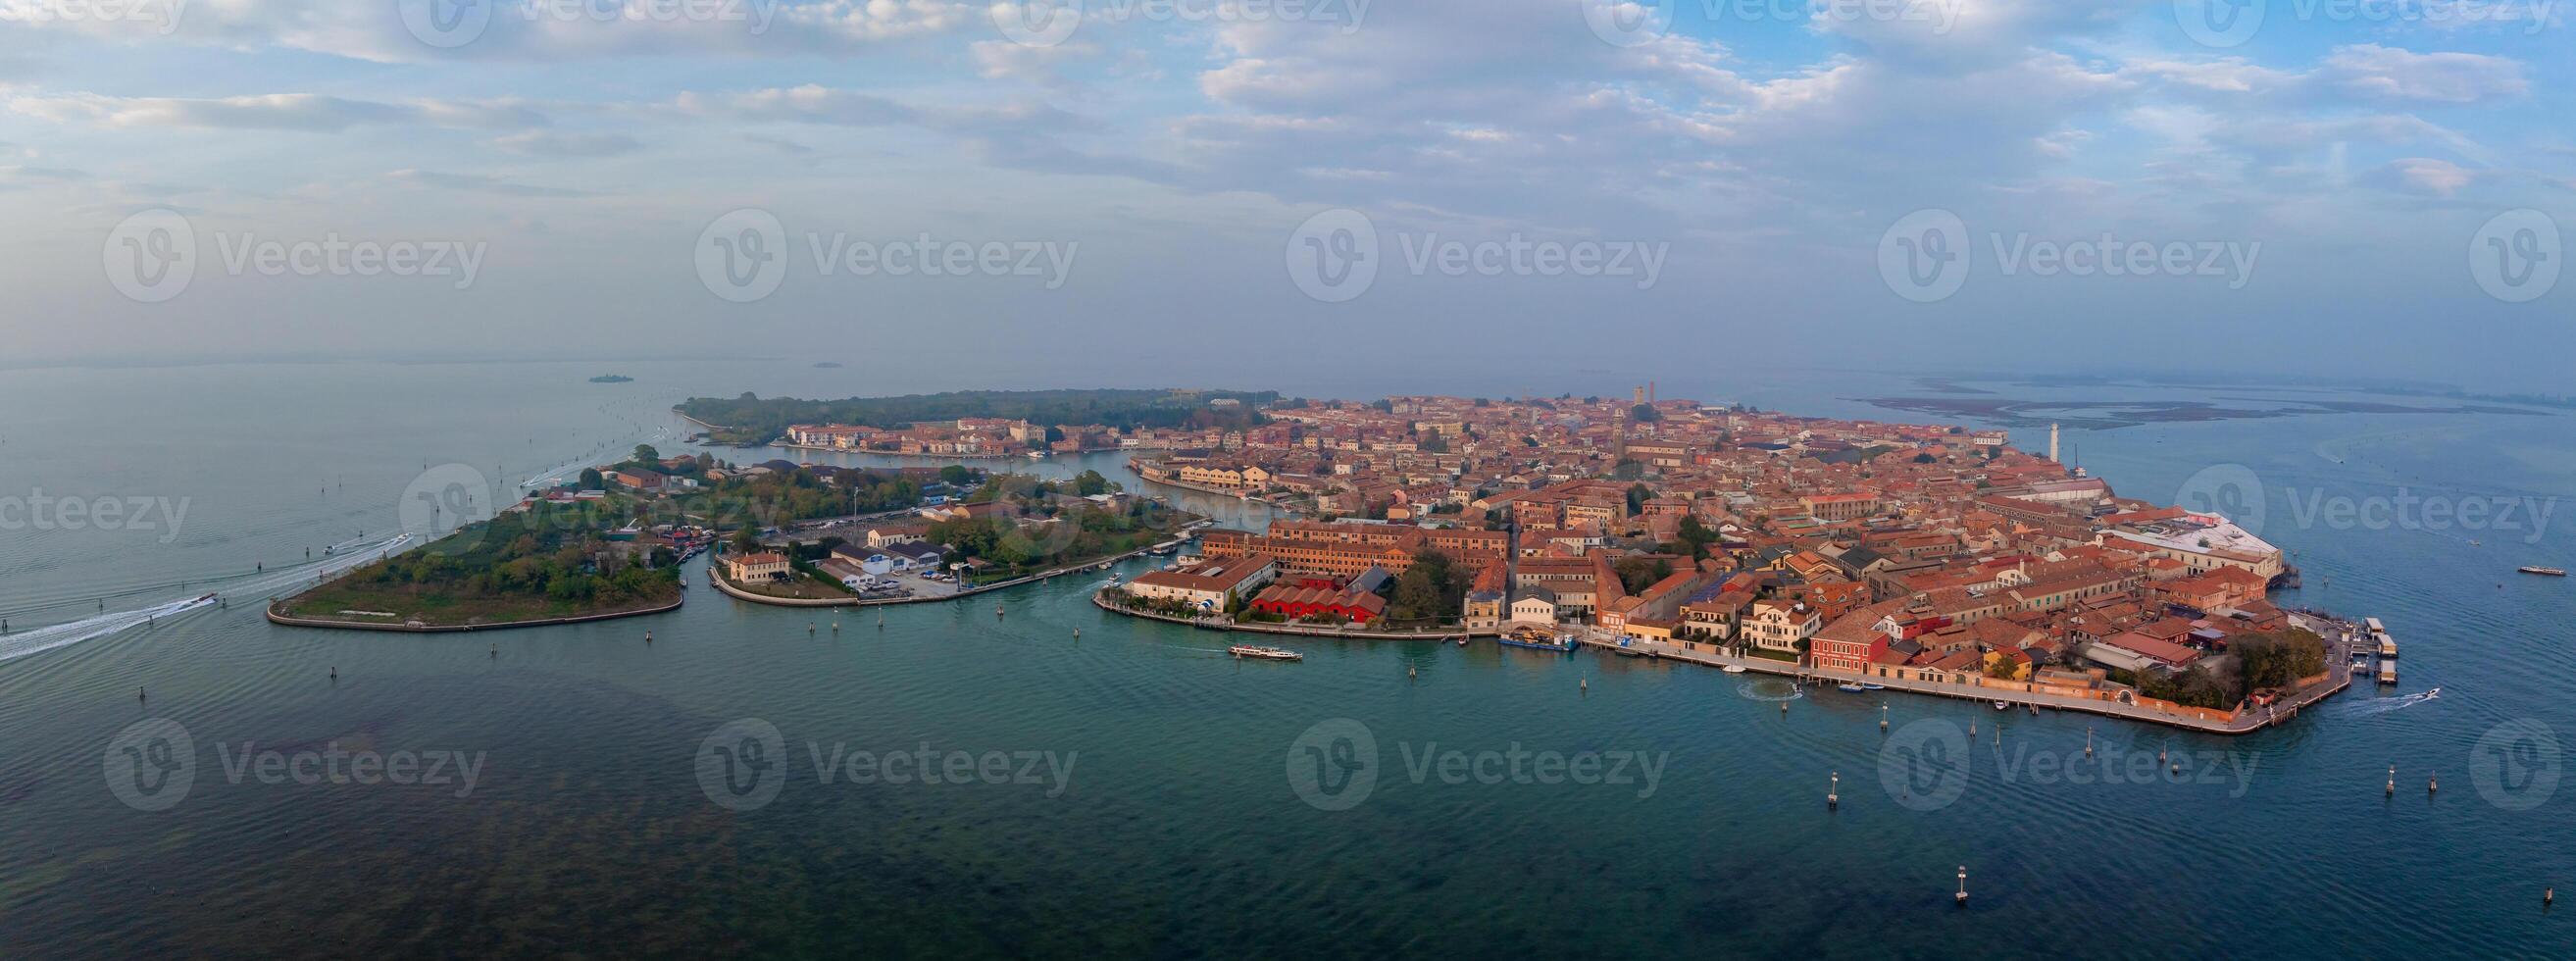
x,y
973,424
612,379
1839,554
1008,530
536,563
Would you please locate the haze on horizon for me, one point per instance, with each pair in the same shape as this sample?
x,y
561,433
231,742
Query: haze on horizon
x,y
2379,189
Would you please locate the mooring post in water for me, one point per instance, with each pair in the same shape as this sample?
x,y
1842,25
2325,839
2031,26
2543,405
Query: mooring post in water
x,y
1882,717
1963,886
1834,792
2392,780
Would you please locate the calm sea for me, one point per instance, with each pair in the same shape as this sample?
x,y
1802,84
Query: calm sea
x,y
1152,796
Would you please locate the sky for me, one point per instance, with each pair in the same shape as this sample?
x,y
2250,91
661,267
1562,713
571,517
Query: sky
x,y
2367,188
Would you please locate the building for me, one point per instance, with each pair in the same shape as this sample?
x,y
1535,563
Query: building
x,y
1779,625
757,567
1210,586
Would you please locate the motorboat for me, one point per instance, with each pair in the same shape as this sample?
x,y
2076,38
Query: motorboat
x,y
1734,669
1264,653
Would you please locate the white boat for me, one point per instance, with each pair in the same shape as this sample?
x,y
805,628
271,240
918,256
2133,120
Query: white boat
x,y
1849,686
1265,653
1735,669
2001,706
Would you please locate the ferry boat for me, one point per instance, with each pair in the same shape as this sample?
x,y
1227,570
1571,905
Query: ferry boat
x,y
1264,653
2542,571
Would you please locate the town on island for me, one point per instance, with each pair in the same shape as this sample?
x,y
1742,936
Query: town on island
x,y
1867,555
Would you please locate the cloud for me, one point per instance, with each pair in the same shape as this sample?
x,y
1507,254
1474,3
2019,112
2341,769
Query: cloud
x,y
538,143
2370,71
285,111
482,183
538,31
2424,175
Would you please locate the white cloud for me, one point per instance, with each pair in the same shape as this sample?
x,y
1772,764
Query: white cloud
x,y
283,111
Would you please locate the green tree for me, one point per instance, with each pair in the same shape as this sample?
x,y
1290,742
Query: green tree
x,y
593,480
645,454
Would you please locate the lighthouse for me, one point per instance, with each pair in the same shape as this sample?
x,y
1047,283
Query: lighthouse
x,y
2052,443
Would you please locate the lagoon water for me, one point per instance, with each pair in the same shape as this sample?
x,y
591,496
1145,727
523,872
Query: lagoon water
x,y
1179,829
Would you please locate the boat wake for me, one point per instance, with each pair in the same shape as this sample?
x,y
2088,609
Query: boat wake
x,y
55,636
1768,691
44,639
2396,703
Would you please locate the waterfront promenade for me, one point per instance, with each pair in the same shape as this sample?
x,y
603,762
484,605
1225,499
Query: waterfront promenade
x,y
1347,632
2016,693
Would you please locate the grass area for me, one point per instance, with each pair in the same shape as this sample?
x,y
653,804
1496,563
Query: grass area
x,y
445,607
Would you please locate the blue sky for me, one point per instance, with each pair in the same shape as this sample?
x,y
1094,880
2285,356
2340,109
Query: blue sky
x,y
2327,176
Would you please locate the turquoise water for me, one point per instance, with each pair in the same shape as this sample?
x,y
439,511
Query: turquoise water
x,y
1180,829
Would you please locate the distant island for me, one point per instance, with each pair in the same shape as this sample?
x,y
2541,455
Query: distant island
x,y
978,423
612,379
827,364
